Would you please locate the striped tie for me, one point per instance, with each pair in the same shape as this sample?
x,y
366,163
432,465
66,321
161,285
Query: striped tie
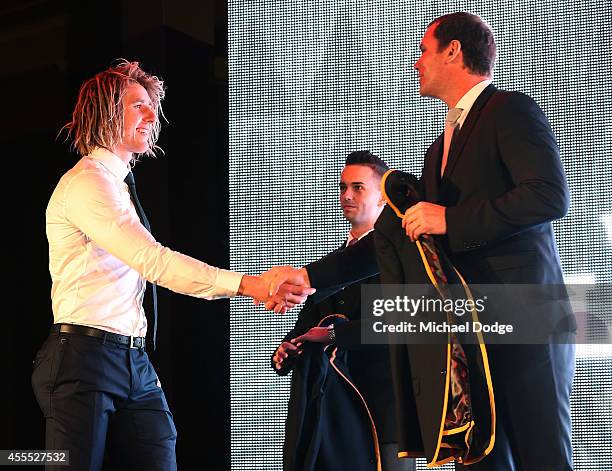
x,y
450,129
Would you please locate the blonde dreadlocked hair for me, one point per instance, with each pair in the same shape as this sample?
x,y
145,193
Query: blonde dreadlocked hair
x,y
97,120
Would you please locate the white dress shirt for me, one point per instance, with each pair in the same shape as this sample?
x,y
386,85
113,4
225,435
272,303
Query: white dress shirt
x,y
350,237
465,104
100,253
467,101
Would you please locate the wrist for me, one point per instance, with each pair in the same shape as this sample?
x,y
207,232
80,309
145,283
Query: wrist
x,y
250,285
305,277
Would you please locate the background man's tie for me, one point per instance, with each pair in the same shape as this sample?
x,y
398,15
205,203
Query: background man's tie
x,y
450,128
129,179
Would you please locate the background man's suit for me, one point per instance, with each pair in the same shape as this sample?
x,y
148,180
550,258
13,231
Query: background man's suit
x,y
502,185
368,364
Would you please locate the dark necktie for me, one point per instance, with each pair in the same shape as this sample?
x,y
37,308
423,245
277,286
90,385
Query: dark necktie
x,y
129,179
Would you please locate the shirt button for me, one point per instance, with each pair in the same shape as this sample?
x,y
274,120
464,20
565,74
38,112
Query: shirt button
x,y
341,302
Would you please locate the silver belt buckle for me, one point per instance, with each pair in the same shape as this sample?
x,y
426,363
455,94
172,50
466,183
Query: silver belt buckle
x,y
132,342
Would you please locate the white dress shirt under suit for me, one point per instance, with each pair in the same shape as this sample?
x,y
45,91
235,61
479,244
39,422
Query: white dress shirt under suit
x,y
100,254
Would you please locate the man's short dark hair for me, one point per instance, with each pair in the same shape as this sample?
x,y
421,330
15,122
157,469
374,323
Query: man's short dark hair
x,y
475,36
365,157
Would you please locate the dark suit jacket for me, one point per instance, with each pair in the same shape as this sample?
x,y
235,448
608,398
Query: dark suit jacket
x,y
327,422
502,186
422,372
368,364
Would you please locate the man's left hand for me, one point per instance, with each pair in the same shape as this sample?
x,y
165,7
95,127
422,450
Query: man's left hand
x,y
424,218
316,335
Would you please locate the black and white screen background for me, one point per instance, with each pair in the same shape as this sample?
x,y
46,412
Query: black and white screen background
x,y
311,81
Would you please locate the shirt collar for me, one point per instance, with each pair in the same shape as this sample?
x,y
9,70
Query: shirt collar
x,y
350,237
467,101
111,162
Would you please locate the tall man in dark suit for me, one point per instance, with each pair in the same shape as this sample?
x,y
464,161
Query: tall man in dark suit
x,y
493,182
368,365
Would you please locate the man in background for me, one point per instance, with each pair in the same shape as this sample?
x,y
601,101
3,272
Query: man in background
x,y
368,365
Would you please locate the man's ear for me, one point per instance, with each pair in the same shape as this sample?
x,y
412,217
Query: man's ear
x,y
453,50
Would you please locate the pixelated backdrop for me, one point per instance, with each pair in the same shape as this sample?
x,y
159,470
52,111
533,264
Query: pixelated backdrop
x,y
312,81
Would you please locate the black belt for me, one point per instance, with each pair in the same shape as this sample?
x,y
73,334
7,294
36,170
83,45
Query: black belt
x,y
128,341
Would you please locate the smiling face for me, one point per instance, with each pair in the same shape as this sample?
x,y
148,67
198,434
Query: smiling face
x,y
433,76
138,119
360,196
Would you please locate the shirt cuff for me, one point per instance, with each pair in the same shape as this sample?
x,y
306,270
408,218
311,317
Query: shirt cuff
x,y
228,283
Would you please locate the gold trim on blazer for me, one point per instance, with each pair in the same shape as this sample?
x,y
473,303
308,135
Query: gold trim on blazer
x,y
485,359
363,401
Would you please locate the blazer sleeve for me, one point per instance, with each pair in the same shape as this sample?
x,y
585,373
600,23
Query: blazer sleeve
x,y
348,336
528,149
330,273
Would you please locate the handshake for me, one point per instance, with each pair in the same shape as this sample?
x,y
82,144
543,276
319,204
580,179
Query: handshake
x,y
279,289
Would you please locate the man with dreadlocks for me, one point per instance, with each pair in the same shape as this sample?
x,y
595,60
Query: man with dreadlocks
x,y
92,377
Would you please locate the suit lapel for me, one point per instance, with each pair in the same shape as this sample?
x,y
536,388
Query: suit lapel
x,y
431,171
458,142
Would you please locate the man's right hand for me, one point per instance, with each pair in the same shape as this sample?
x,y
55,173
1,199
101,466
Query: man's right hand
x,y
276,276
287,297
288,286
284,351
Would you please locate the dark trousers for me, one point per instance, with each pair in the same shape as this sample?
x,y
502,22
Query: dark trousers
x,y
532,385
97,395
